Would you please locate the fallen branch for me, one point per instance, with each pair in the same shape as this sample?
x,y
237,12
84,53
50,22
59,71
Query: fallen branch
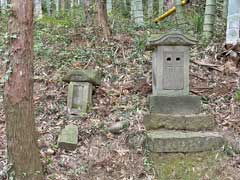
x,y
212,66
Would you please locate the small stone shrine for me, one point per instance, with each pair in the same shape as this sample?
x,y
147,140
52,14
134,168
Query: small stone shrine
x,y
80,89
175,123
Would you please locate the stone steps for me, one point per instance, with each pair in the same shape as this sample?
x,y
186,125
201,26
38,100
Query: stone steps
x,y
171,141
192,122
175,104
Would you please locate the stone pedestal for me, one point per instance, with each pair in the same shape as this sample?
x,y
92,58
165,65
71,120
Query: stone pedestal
x,y
80,89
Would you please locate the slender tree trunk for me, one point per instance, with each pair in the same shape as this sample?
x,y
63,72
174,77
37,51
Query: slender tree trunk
x,y
57,3
124,3
49,7
23,153
225,8
138,12
150,8
181,23
38,8
63,5
86,4
71,3
3,5
169,4
209,19
132,10
102,17
233,22
109,6
161,6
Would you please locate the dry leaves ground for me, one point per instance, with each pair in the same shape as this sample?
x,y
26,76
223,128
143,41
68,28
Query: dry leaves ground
x,y
122,95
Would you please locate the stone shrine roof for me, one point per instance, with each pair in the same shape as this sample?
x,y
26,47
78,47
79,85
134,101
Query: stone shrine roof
x,y
169,39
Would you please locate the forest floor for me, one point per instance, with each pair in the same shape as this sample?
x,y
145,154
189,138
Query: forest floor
x,y
122,95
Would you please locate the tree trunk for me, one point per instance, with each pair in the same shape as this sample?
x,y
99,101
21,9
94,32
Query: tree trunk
x,y
125,3
225,8
109,6
23,153
161,6
57,3
138,12
209,19
132,10
86,4
3,5
49,7
63,5
233,22
169,4
71,3
38,8
181,23
102,18
150,8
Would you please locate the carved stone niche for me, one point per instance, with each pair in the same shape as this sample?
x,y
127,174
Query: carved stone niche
x,y
79,97
170,63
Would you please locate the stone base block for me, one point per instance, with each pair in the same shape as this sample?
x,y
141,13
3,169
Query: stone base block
x,y
193,122
175,104
68,138
79,97
165,141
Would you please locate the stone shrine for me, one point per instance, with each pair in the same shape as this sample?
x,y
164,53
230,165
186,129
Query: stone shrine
x,y
175,123
80,89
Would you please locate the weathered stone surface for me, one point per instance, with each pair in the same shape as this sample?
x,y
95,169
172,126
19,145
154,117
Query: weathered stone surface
x,y
169,39
175,104
194,122
91,76
170,71
79,97
117,127
68,137
166,141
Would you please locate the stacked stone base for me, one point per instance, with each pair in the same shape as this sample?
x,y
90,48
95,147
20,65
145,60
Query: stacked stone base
x,y
175,125
165,141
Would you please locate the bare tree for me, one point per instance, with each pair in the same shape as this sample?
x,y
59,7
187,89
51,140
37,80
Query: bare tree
x,y
23,154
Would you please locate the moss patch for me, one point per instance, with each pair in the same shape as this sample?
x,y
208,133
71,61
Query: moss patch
x,y
190,166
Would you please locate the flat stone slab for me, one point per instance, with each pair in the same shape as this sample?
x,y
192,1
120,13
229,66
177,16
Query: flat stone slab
x,y
193,122
170,141
68,137
175,104
88,75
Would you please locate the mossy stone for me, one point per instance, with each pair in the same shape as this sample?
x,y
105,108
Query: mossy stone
x,y
88,75
68,137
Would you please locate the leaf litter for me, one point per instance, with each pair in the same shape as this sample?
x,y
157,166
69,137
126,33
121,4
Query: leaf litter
x,y
121,96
